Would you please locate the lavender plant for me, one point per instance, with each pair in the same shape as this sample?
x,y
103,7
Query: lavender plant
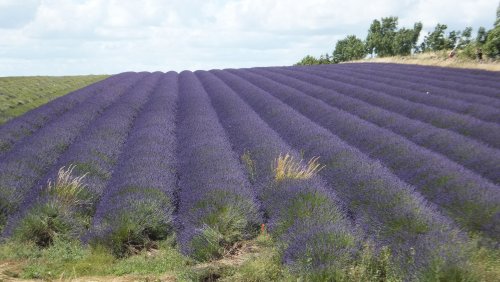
x,y
470,153
471,200
138,203
286,201
28,161
384,206
94,152
486,132
405,91
217,206
424,85
15,130
479,82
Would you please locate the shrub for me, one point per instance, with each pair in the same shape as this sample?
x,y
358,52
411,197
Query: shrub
x,y
44,223
58,211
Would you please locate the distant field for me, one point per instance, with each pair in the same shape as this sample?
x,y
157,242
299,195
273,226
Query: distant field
x,y
21,94
347,172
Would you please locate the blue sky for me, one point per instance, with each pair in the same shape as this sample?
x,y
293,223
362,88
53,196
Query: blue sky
x,y
63,37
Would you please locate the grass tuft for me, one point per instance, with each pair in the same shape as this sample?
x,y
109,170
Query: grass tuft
x,y
59,215
69,190
286,167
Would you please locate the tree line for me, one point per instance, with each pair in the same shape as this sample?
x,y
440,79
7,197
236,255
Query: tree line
x,y
385,39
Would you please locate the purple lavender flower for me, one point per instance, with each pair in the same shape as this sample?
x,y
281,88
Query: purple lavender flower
x,y
471,200
287,203
486,132
384,206
72,139
141,193
216,203
15,130
470,153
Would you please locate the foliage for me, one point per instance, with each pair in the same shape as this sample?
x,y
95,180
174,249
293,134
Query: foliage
x,y
482,36
492,44
349,49
384,39
436,39
308,61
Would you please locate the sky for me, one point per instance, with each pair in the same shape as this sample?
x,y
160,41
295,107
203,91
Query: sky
x,y
71,37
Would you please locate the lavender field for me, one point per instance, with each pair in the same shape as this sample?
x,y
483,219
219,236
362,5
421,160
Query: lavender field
x,y
409,164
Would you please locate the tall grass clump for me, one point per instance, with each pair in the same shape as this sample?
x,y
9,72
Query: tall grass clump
x,y
286,167
64,205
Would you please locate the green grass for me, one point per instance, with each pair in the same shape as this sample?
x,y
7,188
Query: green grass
x,y
21,94
259,259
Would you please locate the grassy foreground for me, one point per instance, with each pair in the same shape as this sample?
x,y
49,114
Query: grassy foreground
x,y
21,94
254,260
439,59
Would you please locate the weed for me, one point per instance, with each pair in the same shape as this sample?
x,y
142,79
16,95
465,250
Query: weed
x,y
69,190
285,167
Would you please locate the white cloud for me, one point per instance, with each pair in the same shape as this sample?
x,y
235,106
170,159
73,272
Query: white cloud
x,y
99,36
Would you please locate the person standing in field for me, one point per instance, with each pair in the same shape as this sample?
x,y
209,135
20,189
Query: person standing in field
x,y
479,54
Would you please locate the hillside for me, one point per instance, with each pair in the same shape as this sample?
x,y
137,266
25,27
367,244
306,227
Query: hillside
x,y
21,94
439,59
347,172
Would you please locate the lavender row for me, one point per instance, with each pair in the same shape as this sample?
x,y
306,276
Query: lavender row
x,y
140,196
384,206
216,202
482,112
469,199
489,133
22,167
420,84
456,74
470,153
296,209
483,84
21,127
95,151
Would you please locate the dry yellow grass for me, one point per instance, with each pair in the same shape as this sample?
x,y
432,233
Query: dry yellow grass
x,y
286,167
436,59
67,188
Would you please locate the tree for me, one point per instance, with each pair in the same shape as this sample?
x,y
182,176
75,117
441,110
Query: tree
x,y
406,40
307,61
435,40
417,28
381,36
481,37
451,41
465,38
403,42
374,37
324,59
348,49
385,40
492,42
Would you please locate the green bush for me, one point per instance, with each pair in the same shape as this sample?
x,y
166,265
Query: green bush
x,y
45,223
